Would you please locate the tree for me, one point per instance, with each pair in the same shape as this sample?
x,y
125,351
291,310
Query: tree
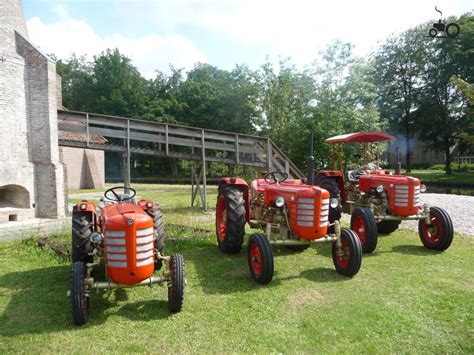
x,y
118,88
444,113
399,65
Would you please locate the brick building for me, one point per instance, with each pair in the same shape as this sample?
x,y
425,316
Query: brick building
x,y
32,177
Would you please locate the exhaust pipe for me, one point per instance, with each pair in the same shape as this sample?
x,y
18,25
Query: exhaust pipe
x,y
398,164
310,164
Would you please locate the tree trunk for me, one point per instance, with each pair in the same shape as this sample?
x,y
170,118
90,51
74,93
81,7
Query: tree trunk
x,y
448,158
408,153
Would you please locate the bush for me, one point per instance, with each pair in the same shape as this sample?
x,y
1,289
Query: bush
x,y
455,166
437,167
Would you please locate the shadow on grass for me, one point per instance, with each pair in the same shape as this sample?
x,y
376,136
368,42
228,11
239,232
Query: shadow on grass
x,y
38,303
219,273
414,250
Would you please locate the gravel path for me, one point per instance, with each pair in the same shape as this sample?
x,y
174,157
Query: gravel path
x,y
459,207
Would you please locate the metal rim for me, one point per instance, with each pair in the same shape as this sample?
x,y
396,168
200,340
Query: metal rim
x,y
343,254
221,216
256,259
361,229
432,234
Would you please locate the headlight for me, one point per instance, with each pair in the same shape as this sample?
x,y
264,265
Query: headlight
x,y
82,206
379,189
423,188
149,204
280,201
333,203
95,238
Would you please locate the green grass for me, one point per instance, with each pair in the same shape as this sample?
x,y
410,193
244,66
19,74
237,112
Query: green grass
x,y
405,299
440,176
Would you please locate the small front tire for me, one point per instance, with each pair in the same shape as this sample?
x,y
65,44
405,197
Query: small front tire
x,y
387,227
260,258
364,225
79,297
438,235
176,284
348,258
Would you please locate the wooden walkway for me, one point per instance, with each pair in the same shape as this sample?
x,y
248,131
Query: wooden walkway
x,y
127,136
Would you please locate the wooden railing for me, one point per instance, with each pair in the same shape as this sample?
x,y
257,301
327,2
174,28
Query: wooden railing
x,y
118,134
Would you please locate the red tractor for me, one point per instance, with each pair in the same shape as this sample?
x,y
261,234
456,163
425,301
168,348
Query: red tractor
x,y
290,213
378,201
130,238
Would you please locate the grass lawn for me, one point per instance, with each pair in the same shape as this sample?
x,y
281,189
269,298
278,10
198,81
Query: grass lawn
x,y
405,299
440,176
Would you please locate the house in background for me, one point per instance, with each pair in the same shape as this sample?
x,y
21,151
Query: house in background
x,y
421,156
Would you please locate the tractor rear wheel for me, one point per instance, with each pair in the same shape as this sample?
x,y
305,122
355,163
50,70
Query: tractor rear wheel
x,y
177,283
347,258
230,219
260,258
79,297
387,227
439,234
158,234
82,228
364,225
331,185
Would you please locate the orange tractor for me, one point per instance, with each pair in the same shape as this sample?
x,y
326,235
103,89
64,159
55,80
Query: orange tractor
x,y
129,236
291,213
378,201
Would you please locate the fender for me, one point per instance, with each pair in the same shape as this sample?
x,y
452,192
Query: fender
x,y
244,186
336,175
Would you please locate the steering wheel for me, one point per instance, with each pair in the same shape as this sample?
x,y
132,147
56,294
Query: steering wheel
x,y
274,177
116,196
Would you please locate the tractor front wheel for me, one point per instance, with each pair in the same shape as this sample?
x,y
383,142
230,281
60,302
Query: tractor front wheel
x,y
230,219
364,225
176,284
439,234
79,297
347,258
260,258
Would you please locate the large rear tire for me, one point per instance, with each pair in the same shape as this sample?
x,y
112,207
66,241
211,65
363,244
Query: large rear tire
x,y
158,234
79,298
82,228
438,235
176,286
364,225
348,258
260,258
331,185
230,219
387,227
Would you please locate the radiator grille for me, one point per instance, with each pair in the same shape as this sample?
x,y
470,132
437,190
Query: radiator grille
x,y
145,246
305,212
324,221
401,195
115,249
416,196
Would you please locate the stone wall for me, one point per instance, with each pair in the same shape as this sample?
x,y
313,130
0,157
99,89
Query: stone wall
x,y
85,168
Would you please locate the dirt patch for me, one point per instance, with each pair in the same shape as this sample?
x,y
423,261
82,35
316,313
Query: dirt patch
x,y
305,297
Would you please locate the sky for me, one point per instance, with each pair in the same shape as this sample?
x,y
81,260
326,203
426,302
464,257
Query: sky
x,y
155,33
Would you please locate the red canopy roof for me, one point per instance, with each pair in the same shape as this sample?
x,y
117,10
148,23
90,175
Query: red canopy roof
x,y
361,137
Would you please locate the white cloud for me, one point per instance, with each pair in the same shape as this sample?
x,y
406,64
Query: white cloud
x,y
149,53
295,28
